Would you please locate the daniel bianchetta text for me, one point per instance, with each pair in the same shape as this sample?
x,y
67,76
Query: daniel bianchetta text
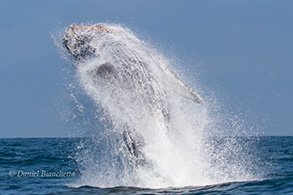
x,y
42,173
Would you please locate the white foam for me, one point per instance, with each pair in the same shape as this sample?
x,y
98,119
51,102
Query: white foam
x,y
176,153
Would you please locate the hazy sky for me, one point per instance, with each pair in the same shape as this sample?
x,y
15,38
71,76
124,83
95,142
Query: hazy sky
x,y
240,50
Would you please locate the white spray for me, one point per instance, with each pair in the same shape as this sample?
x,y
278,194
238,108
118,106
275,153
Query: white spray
x,y
134,93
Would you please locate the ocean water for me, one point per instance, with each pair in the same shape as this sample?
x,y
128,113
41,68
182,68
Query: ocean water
x,y
51,166
146,131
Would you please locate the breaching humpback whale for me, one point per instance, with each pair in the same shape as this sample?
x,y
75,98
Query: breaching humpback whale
x,y
124,64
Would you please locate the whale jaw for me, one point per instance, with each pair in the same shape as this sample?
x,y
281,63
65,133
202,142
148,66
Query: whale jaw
x,y
78,40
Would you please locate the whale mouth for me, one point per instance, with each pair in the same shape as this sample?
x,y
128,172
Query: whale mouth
x,y
78,40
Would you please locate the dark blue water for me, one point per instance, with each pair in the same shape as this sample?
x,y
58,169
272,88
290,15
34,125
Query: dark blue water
x,y
48,166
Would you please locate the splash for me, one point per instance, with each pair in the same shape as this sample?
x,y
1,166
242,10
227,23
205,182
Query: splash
x,y
153,132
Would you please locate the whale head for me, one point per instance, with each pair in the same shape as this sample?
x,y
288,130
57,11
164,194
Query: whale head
x,y
79,40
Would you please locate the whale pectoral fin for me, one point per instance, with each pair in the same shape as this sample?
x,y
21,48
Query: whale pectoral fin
x,y
189,93
181,88
131,145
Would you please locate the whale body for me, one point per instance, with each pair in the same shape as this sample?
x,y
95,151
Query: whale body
x,y
129,74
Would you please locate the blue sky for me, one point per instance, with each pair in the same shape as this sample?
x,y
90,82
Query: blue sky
x,y
241,50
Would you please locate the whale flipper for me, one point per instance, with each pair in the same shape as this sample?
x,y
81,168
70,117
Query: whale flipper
x,y
134,148
130,144
181,88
